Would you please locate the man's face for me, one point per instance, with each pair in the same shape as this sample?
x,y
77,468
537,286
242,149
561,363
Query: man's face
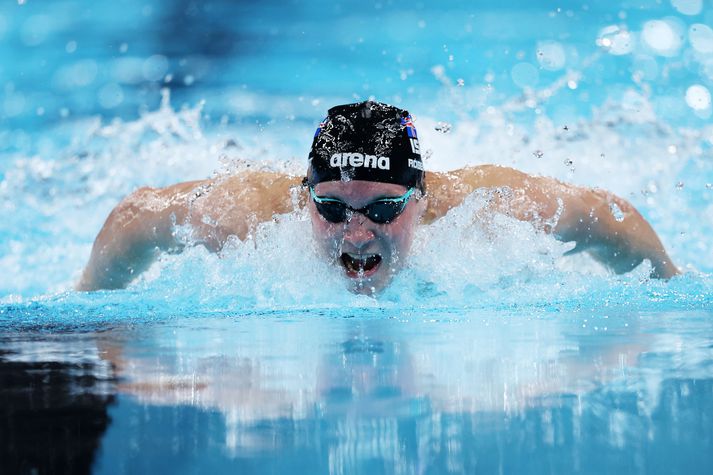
x,y
369,253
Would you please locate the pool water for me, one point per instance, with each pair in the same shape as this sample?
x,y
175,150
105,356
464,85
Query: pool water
x,y
484,355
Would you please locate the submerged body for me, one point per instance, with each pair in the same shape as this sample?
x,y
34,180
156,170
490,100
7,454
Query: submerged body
x,y
143,224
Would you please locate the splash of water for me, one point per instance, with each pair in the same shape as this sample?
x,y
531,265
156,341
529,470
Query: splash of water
x,y
47,242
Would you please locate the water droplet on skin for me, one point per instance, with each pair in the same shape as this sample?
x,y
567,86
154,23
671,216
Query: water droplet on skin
x,y
616,212
538,153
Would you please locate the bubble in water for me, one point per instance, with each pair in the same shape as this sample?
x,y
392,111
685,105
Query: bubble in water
x,y
679,185
551,55
701,38
14,104
35,29
110,96
568,162
538,153
661,37
443,127
709,186
154,67
698,97
616,212
461,82
688,7
525,75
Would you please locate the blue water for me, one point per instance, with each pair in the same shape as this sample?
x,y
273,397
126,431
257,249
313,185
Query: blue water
x,y
483,355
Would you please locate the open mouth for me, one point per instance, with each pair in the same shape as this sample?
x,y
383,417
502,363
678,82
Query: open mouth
x,y
360,265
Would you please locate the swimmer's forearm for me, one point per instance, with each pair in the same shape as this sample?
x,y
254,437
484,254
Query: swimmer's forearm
x,y
130,240
615,234
114,264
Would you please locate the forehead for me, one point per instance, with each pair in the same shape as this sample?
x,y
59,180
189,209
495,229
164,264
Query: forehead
x,y
358,190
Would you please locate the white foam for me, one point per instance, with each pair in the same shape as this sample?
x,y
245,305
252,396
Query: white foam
x,y
616,40
622,147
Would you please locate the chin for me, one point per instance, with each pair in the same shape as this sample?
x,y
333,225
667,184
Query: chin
x,y
371,286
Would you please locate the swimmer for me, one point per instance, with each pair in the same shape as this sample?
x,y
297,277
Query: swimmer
x,y
366,191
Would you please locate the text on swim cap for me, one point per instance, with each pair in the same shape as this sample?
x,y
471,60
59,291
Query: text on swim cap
x,y
354,159
417,164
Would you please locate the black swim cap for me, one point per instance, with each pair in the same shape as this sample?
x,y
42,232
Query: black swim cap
x,y
368,141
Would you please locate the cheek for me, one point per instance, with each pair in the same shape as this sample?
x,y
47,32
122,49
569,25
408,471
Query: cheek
x,y
402,236
326,234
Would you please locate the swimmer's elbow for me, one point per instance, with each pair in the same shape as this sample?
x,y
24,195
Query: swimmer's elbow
x,y
128,242
91,284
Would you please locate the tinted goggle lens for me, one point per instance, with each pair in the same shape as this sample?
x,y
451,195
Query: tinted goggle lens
x,y
380,211
334,212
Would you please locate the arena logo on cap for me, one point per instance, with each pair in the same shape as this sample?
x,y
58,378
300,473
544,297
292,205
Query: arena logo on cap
x,y
356,160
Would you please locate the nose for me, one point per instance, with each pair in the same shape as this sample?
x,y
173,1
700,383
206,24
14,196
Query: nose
x,y
357,231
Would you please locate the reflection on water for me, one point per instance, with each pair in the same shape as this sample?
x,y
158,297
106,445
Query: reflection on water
x,y
53,410
448,393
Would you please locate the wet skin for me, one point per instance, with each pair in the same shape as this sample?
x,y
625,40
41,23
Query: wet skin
x,y
143,224
369,253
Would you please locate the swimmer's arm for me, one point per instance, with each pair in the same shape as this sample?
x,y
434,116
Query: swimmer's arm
x,y
570,213
134,234
609,228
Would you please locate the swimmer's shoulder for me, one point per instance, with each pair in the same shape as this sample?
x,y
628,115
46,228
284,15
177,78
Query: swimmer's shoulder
x,y
270,191
249,189
446,190
468,179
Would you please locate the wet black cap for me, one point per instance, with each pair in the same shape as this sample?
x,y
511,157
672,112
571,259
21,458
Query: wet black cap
x,y
368,141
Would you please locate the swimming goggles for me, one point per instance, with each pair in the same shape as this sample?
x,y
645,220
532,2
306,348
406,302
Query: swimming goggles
x,y
381,211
